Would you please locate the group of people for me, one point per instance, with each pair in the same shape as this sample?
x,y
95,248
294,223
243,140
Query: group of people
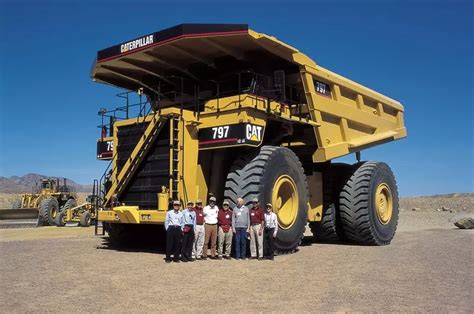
x,y
191,231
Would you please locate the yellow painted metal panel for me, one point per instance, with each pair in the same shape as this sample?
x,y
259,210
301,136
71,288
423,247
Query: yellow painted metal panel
x,y
131,214
315,205
128,214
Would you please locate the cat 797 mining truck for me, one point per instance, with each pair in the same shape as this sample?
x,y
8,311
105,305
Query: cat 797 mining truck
x,y
226,111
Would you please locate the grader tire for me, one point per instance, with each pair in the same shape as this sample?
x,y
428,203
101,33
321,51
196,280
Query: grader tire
x,y
60,219
48,210
369,204
70,203
274,176
85,219
329,229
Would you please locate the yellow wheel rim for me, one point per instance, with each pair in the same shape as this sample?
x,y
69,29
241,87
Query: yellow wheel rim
x,y
53,212
285,201
384,203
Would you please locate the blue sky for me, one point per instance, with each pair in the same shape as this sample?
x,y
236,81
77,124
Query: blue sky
x,y
420,53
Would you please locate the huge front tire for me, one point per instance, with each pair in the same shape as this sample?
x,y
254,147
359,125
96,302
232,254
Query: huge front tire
x,y
48,210
274,176
135,234
369,204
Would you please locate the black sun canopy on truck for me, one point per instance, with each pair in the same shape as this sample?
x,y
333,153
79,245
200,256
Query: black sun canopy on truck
x,y
197,52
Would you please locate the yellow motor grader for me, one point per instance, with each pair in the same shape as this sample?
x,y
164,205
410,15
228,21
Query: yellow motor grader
x,y
83,214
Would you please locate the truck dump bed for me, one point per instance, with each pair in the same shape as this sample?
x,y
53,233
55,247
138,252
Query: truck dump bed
x,y
348,116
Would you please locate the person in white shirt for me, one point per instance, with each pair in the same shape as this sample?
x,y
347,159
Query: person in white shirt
x,y
269,232
210,227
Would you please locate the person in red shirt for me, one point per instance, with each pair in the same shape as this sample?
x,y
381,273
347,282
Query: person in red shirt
x,y
224,219
199,232
256,230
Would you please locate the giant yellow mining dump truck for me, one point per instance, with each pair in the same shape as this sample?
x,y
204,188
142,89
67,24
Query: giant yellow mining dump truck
x,y
229,112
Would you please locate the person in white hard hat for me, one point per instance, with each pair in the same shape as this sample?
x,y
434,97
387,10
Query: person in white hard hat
x,y
269,232
188,232
240,226
256,230
211,212
174,224
225,231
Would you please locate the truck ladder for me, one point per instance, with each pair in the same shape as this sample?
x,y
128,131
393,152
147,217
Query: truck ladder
x,y
174,157
136,157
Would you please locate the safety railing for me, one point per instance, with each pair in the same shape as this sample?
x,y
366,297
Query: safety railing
x,y
183,93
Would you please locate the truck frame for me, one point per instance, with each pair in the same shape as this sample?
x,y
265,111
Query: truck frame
x,y
230,112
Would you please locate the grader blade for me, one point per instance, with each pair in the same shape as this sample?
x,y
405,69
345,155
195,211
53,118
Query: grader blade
x,y
19,213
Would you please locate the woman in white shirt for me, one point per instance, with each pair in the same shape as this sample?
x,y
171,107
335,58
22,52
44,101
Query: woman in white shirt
x,y
269,232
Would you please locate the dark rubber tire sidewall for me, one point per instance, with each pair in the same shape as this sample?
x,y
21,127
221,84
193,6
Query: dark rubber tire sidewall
x,y
46,208
382,174
282,163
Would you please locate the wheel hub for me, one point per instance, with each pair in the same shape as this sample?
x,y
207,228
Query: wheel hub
x,y
384,203
285,201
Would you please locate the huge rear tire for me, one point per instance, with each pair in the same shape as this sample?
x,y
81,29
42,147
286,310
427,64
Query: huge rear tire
x,y
274,176
48,210
369,204
329,229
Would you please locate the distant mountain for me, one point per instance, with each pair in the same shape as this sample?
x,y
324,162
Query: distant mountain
x,y
29,181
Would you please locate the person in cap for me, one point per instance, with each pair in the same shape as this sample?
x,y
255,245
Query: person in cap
x,y
174,224
240,226
198,231
211,212
188,232
225,232
256,230
269,232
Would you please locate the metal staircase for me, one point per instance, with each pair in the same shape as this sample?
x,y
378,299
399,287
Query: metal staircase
x,y
136,157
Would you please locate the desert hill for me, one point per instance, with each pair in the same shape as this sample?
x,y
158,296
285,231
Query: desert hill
x,y
28,182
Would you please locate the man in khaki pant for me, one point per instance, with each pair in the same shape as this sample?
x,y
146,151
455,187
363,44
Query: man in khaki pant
x,y
210,227
256,230
225,232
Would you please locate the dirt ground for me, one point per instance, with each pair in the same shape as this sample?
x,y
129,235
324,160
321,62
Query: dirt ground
x,y
428,267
